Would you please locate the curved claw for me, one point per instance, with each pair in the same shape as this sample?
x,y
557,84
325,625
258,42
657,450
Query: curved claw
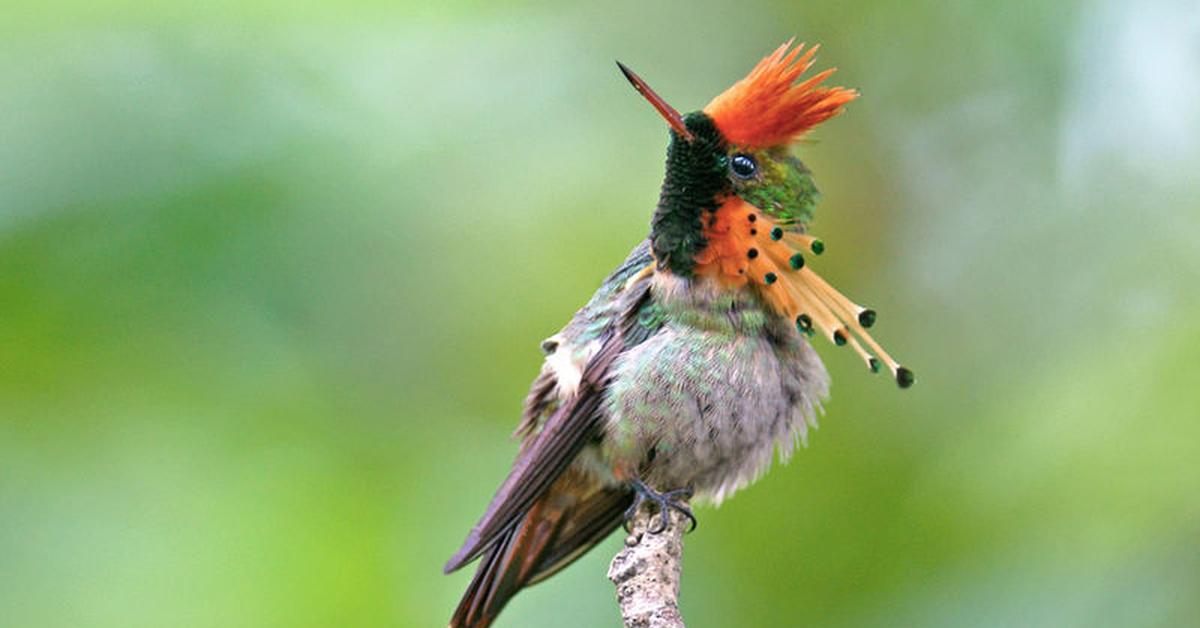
x,y
672,497
627,518
666,502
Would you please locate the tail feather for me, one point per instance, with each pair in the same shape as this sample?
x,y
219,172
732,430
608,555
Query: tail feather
x,y
471,610
565,523
592,522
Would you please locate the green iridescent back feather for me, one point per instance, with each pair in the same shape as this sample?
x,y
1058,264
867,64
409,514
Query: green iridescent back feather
x,y
595,318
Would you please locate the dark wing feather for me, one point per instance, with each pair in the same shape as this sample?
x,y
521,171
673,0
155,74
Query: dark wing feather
x,y
571,518
591,522
478,606
544,459
538,402
572,425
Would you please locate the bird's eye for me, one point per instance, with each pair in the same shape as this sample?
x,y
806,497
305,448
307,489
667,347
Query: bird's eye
x,y
743,166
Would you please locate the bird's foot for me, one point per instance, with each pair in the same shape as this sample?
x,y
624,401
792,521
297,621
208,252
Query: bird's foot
x,y
666,502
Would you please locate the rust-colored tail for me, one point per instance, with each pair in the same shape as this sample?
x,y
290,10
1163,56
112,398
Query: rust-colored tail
x,y
571,518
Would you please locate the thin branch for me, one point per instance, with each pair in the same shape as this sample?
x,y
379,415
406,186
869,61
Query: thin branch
x,y
646,572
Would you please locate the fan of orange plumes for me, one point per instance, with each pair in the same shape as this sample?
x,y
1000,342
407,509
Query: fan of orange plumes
x,y
768,108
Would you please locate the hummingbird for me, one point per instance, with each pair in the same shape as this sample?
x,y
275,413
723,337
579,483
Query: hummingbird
x,y
692,364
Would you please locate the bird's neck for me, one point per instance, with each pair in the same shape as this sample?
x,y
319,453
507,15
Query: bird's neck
x,y
704,303
694,183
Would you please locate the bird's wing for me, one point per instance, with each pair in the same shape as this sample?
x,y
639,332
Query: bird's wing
x,y
586,326
590,522
575,422
572,516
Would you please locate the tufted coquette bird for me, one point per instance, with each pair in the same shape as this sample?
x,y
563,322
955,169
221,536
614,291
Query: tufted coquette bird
x,y
691,365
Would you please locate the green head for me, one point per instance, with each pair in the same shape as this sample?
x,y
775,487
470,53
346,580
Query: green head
x,y
777,182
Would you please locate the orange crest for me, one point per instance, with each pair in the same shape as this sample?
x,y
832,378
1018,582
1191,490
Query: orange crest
x,y
768,107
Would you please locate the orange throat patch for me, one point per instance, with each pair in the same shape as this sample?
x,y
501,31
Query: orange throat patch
x,y
748,249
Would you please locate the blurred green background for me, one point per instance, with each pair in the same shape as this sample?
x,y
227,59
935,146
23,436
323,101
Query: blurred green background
x,y
273,277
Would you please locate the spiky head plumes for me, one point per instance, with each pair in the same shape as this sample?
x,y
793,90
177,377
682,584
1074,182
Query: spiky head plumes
x,y
736,203
769,108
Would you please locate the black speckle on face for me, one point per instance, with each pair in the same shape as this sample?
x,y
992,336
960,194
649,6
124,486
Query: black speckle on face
x,y
743,166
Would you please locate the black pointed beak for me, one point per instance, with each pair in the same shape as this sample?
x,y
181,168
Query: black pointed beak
x,y
667,111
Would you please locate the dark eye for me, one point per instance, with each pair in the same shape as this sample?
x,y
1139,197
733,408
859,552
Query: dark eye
x,y
743,166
